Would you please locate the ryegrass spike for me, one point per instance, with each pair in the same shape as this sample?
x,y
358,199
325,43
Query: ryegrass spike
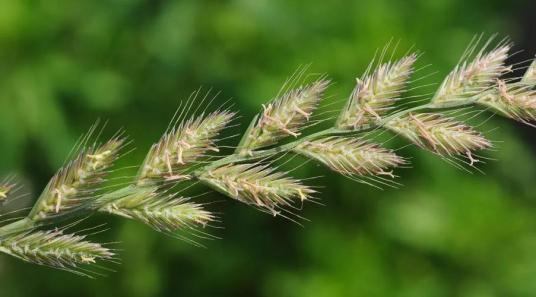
x,y
516,101
164,213
351,156
439,134
257,185
284,116
54,249
182,153
78,181
469,79
182,146
375,94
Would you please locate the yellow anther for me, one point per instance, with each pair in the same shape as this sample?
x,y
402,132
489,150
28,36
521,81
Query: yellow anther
x,y
302,196
87,259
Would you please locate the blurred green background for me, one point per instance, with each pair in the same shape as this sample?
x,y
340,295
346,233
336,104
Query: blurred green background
x,y
63,64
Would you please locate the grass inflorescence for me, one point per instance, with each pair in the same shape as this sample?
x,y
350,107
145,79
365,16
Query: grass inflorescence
x,y
189,153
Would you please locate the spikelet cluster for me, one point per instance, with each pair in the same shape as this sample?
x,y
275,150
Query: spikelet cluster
x,y
182,146
54,249
78,181
515,100
351,156
284,116
439,134
164,213
469,79
375,94
257,185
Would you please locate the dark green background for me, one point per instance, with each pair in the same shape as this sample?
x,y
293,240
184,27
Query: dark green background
x,y
63,64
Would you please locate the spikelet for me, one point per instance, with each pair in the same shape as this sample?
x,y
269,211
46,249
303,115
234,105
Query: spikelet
x,y
516,101
530,75
351,156
182,146
471,79
54,249
78,181
375,94
439,134
162,213
284,116
256,185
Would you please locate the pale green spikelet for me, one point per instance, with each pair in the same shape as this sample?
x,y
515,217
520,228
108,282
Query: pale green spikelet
x,y
439,134
164,213
470,79
351,156
284,116
516,101
54,249
257,185
182,146
375,94
78,181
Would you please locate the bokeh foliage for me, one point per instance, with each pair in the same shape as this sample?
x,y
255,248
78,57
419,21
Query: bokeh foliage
x,y
63,64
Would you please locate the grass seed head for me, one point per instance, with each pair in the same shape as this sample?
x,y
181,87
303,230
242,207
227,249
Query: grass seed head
x,y
439,134
516,101
164,213
257,185
78,181
351,156
77,190
470,79
54,249
375,94
182,146
284,116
